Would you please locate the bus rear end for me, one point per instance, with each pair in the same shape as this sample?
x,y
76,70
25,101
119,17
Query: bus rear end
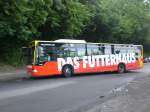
x,y
139,56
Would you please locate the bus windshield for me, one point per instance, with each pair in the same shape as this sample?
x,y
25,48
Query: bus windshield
x,y
44,54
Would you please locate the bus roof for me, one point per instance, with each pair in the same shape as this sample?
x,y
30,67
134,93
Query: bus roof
x,y
63,41
112,44
83,41
70,41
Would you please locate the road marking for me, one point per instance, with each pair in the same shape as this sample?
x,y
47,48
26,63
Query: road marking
x,y
29,90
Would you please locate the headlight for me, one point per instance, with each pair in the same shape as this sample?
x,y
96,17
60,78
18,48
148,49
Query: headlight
x,y
34,70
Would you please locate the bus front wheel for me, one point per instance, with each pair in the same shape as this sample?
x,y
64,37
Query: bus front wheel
x,y
121,68
67,71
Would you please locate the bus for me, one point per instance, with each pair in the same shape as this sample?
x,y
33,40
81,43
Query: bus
x,y
69,57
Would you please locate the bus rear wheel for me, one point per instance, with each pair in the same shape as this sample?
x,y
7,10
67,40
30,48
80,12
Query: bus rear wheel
x,y
67,71
121,68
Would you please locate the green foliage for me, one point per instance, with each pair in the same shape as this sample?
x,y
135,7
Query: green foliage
x,y
119,21
125,19
19,22
20,19
77,17
67,18
14,57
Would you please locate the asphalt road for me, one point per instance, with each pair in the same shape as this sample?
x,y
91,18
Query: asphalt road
x,y
57,94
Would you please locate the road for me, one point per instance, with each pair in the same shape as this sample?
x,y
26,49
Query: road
x,y
57,94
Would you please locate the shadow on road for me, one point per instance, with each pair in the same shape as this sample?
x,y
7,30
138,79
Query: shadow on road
x,y
85,75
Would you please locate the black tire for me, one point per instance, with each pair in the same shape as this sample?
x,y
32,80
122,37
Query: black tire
x,y
121,68
67,71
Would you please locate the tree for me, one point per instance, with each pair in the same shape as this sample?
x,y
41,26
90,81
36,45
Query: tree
x,y
120,21
126,19
66,19
19,22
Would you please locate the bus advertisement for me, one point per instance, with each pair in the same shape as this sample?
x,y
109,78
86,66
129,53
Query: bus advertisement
x,y
67,57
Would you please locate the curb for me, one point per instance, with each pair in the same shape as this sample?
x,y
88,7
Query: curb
x,y
4,76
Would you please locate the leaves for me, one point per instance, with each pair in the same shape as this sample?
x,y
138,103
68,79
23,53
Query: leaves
x,y
67,18
119,21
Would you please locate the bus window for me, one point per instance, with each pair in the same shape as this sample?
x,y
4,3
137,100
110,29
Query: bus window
x,y
130,49
72,50
117,49
138,51
50,53
40,58
62,50
112,49
45,53
108,50
123,49
101,49
80,50
94,49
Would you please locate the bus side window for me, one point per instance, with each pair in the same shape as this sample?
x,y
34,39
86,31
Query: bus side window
x,y
101,50
93,50
108,50
80,50
50,53
112,49
138,52
72,50
62,50
116,49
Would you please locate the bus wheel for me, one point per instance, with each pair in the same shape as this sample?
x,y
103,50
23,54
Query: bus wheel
x,y
67,71
121,68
